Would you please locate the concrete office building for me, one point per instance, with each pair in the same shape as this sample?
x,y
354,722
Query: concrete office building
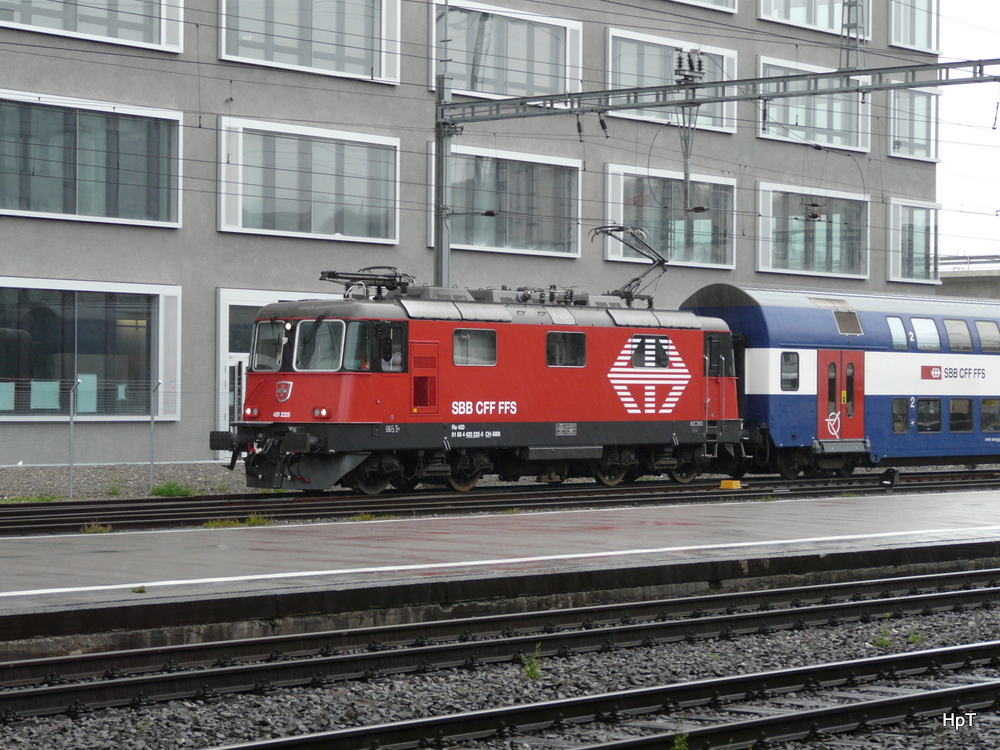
x,y
167,168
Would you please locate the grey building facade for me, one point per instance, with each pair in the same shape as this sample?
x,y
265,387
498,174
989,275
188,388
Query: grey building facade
x,y
166,168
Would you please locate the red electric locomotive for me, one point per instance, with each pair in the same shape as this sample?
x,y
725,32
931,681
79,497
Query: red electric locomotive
x,y
399,384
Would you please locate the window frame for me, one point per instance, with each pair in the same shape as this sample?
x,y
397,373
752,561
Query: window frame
x,y
111,109
789,382
572,61
958,334
232,168
618,174
571,349
898,344
672,116
967,426
165,350
306,326
714,4
389,53
170,20
922,328
490,336
988,344
897,239
577,203
766,13
929,430
993,412
765,244
933,96
900,426
861,128
897,37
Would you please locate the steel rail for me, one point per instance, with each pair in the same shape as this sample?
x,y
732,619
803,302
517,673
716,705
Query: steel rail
x,y
286,670
619,706
72,516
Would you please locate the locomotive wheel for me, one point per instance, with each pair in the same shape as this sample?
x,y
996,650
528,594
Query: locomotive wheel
x,y
684,474
463,481
610,476
370,484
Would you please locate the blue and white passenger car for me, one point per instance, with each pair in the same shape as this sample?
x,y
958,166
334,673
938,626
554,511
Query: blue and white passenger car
x,y
832,381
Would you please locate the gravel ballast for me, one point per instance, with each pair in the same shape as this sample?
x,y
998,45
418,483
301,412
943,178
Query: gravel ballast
x,y
190,724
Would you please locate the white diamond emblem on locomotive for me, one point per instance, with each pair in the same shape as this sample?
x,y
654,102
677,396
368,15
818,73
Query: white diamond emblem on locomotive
x,y
283,390
649,389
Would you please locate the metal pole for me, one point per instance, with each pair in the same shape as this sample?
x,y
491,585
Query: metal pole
x,y
442,209
72,419
152,415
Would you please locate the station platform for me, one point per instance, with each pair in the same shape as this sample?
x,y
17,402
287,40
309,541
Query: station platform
x,y
179,577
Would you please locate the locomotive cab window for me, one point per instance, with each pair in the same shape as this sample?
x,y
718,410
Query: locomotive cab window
x,y
651,351
319,344
959,338
898,332
269,343
928,338
928,415
789,371
989,335
392,346
358,346
565,349
475,347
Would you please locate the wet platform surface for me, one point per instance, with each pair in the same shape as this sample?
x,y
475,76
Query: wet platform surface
x,y
81,571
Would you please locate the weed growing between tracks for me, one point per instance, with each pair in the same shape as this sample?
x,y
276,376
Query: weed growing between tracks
x,y
95,528
232,523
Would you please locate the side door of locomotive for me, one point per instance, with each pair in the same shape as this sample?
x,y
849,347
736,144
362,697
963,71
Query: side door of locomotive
x,y
840,395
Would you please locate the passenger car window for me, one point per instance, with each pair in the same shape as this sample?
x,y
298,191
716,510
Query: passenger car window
x,y
989,335
900,416
898,332
789,371
474,346
565,349
928,338
989,415
960,415
959,338
928,415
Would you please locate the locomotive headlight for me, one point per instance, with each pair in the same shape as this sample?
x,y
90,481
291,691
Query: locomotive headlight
x,y
321,412
252,411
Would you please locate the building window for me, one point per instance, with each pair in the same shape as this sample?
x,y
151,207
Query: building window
x,y
915,124
729,5
308,182
101,164
504,202
823,15
564,349
837,120
639,60
913,254
695,231
915,24
819,233
473,346
138,23
497,52
356,38
92,352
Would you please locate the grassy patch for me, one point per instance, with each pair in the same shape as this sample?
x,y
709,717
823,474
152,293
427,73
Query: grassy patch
x,y
139,590
95,528
531,666
222,523
36,499
254,520
171,489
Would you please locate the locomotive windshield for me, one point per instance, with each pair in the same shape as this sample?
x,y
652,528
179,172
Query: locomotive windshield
x,y
269,343
319,344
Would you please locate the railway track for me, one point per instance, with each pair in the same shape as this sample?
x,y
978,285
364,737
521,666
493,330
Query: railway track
x,y
80,683
753,710
21,519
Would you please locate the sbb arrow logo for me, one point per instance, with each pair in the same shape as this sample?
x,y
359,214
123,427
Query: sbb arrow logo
x,y
649,375
930,372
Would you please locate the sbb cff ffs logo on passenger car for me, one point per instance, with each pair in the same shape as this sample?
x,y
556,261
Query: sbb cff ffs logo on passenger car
x,y
649,375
